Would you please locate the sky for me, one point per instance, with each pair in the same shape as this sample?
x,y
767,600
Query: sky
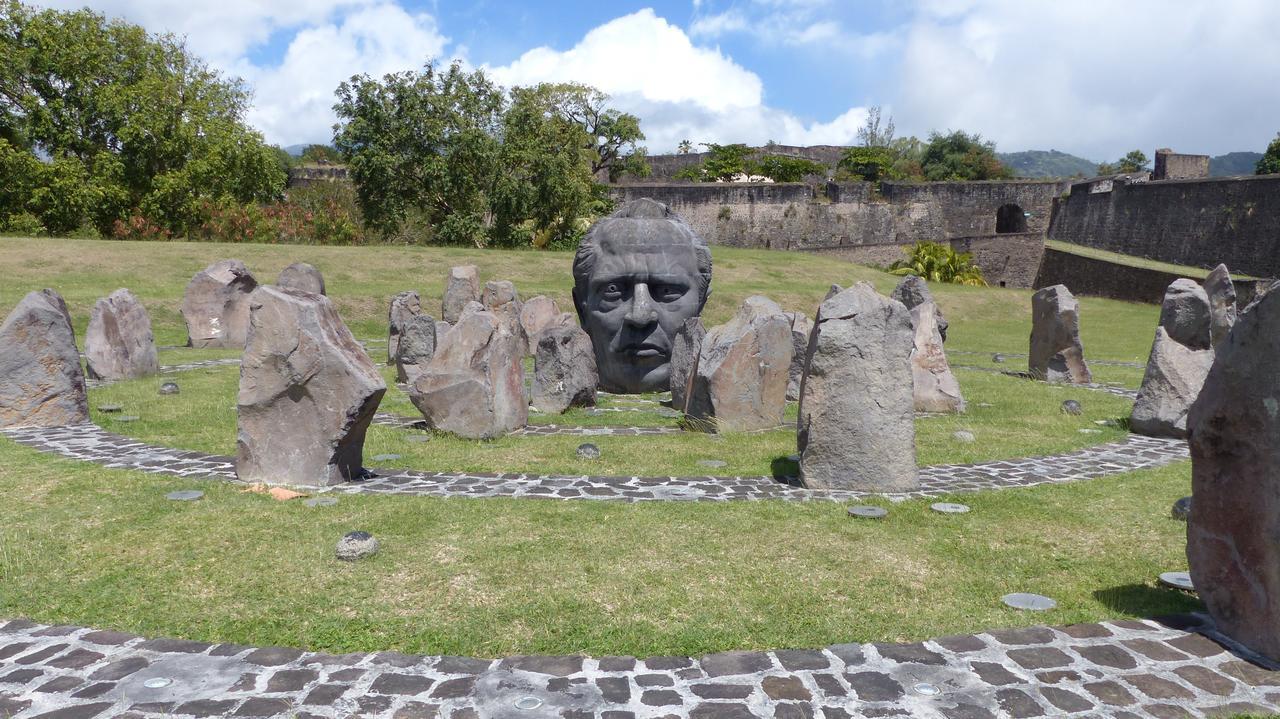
x,y
1094,78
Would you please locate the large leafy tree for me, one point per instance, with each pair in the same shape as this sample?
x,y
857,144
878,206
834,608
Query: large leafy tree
x,y
1269,163
960,156
611,137
1133,161
119,121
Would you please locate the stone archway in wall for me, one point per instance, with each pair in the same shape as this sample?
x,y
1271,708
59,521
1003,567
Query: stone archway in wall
x,y
1009,219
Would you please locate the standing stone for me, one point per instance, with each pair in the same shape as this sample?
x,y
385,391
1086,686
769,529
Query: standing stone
x,y
537,314
1180,360
416,347
740,379
216,305
1235,482
800,329
403,306
462,286
500,298
1056,352
119,343
301,276
41,383
474,385
1222,303
856,427
1185,314
935,387
564,370
307,393
685,346
913,291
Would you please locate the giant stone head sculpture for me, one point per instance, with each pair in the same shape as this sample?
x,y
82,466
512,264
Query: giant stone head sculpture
x,y
638,275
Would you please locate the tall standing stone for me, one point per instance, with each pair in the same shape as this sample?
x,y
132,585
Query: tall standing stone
x,y
41,383
1186,315
307,393
501,298
856,427
564,369
1235,482
416,347
119,343
1056,352
404,305
301,276
474,385
801,327
215,306
1180,360
1222,303
461,287
740,379
913,291
934,385
685,346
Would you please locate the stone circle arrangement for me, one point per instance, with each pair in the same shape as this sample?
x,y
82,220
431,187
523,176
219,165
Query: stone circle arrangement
x,y
860,369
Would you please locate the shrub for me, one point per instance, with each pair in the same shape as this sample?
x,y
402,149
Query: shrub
x,y
936,262
137,227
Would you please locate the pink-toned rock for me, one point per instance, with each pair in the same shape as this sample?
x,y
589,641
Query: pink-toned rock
x,y
500,298
462,286
119,343
41,383
740,379
935,387
215,306
1057,354
685,346
537,314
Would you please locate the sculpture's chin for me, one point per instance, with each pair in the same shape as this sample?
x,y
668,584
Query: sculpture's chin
x,y
629,379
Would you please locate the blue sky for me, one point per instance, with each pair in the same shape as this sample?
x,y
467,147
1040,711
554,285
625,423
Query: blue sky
x,y
1092,77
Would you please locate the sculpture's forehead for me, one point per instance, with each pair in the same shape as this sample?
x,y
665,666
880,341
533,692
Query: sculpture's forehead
x,y
649,243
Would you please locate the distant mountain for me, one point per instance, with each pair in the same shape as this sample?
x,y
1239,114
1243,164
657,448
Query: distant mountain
x,y
1047,163
1234,163
296,150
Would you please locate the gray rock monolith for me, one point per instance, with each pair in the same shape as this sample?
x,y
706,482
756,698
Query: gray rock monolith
x,y
1057,354
307,393
404,305
1185,314
501,298
801,326
118,343
301,276
856,426
1180,359
462,286
416,347
215,306
564,369
474,385
1222,303
934,385
913,291
685,346
740,379
1234,428
537,314
41,383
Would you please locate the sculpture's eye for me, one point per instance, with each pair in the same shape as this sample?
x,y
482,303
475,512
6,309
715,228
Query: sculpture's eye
x,y
668,293
612,291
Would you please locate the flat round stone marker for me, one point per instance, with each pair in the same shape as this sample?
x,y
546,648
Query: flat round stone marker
x,y
528,703
1089,431
669,413
1177,580
713,463
169,388
109,408
963,436
867,511
586,450
1181,509
1029,602
127,418
320,501
157,682
925,689
385,457
949,507
1070,406
997,358
417,438
185,495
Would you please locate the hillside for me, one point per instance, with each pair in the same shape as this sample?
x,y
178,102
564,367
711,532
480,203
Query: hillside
x,y
1234,163
1047,163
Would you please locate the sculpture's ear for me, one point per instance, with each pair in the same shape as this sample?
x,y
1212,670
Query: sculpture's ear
x,y
705,296
580,304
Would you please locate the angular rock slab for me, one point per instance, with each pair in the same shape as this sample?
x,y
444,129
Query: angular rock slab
x,y
215,306
307,393
1222,303
1185,314
462,286
118,343
501,298
935,388
416,347
913,291
1175,373
740,379
41,383
537,314
1056,353
856,428
404,305
474,385
301,276
685,347
564,370
1235,482
801,327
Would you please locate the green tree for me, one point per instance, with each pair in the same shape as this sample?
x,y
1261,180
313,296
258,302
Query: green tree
x,y
784,168
685,147
723,163
935,262
611,136
1269,164
873,132
960,156
123,122
870,164
1134,161
320,154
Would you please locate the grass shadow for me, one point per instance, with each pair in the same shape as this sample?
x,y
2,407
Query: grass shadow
x,y
1145,600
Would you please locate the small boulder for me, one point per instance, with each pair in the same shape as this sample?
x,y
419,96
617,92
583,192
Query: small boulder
x,y
1175,373
301,276
215,306
801,326
119,343
740,378
461,287
416,347
307,393
685,347
1184,314
41,383
403,306
934,385
1072,407
913,291
564,370
587,450
856,428
1057,354
169,388
356,545
1221,292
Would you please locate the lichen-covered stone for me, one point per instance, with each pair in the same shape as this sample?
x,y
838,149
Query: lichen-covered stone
x,y
740,379
118,343
416,347
215,306
1056,354
461,287
564,369
301,276
934,385
41,383
404,305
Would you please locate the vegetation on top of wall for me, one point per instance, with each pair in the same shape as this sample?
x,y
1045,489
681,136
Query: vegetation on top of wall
x,y
738,163
1269,164
1134,161
936,262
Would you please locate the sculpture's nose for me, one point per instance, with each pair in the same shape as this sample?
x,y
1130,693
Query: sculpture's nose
x,y
642,311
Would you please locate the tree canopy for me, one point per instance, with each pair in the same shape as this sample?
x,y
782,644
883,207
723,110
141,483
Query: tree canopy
x,y
1269,164
1134,161
727,163
958,155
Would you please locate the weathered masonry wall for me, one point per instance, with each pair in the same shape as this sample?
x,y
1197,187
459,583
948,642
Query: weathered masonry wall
x,y
1009,260
1200,222
1100,278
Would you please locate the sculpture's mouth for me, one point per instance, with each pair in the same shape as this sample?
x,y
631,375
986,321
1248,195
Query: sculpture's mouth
x,y
645,351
